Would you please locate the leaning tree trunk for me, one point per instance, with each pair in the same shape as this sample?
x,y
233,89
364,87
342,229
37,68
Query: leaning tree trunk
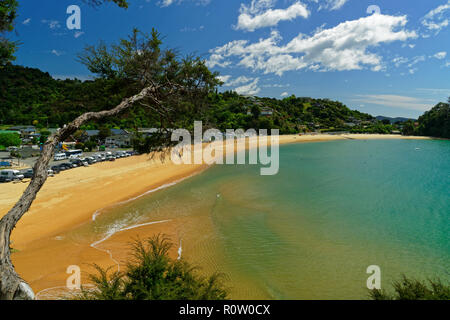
x,y
11,285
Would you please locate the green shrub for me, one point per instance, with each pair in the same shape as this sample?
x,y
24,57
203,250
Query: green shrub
x,y
152,275
9,139
412,289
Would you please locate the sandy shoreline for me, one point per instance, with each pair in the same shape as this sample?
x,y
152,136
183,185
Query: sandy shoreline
x,y
70,199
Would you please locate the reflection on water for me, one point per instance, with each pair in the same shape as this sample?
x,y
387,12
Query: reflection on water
x,y
312,230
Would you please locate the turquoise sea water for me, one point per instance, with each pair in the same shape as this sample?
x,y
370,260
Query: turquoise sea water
x,y
311,231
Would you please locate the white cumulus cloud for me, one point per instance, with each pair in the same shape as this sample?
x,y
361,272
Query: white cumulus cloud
x,y
228,82
331,4
440,55
260,14
250,89
343,47
438,18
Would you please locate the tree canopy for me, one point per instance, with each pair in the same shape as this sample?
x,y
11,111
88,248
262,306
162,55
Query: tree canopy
x,y
120,3
433,123
8,13
9,139
28,94
436,122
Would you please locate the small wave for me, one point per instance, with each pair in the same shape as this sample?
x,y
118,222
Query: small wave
x,y
116,229
180,250
164,186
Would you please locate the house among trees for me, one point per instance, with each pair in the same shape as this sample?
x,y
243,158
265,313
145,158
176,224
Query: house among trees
x,y
25,131
119,132
266,111
92,133
118,141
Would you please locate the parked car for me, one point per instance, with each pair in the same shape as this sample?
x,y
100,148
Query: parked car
x,y
120,154
90,160
10,175
100,157
66,166
84,162
56,169
62,167
60,156
78,162
110,158
28,173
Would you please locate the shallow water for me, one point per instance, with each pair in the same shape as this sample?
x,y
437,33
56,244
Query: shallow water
x,y
311,231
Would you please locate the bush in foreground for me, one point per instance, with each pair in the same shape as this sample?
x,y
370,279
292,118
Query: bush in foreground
x,y
412,289
153,275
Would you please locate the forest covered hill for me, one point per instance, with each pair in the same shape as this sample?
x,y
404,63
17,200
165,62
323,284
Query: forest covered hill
x,y
28,96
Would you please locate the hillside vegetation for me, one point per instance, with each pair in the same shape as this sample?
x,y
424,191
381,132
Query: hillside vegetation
x,y
436,122
433,123
30,96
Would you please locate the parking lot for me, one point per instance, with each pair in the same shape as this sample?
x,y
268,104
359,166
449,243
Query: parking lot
x,y
22,168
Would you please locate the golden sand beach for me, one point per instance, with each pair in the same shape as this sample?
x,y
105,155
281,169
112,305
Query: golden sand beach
x,y
71,198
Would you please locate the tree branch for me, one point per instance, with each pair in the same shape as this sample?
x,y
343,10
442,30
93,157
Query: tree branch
x,y
11,285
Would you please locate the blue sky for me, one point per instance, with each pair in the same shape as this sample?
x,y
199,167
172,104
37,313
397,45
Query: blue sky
x,y
381,57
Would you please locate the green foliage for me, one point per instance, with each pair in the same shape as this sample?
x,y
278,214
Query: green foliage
x,y
436,122
28,94
120,3
10,139
412,289
79,145
378,128
409,128
153,275
8,12
44,136
433,123
183,84
90,145
104,132
229,110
